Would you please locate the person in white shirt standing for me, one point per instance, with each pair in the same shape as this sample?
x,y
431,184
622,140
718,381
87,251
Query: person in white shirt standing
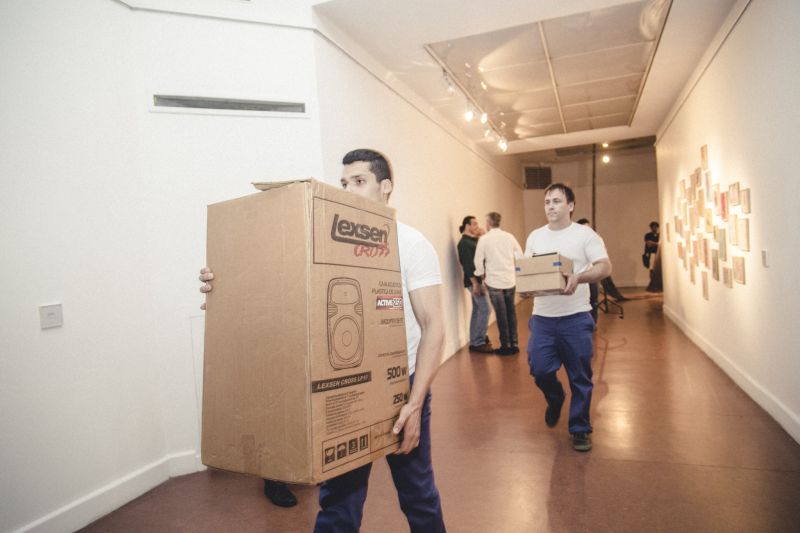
x,y
562,326
495,261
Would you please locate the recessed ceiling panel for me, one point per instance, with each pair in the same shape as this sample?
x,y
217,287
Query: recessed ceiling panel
x,y
525,77
600,90
602,64
590,64
605,28
488,51
524,132
523,101
540,116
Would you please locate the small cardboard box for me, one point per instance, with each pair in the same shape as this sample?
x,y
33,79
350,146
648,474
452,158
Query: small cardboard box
x,y
305,366
543,274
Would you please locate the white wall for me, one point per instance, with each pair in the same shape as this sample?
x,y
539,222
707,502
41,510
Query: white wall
x,y
744,108
104,211
438,178
626,203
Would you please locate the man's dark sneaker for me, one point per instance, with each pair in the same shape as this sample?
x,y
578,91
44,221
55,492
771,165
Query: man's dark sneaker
x,y
553,413
505,350
486,340
279,494
482,348
582,442
515,349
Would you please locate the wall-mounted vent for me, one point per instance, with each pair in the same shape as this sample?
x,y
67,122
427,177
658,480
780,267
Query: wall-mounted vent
x,y
538,177
227,104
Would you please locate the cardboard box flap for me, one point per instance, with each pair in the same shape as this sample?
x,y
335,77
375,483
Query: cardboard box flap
x,y
269,185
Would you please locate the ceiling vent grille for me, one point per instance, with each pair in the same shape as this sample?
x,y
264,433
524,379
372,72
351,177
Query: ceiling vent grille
x,y
538,177
227,104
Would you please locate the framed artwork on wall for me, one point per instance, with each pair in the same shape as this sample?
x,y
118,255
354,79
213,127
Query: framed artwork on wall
x,y
738,270
733,194
743,233
692,274
744,200
669,235
716,198
706,254
727,277
715,264
723,243
707,183
723,206
709,220
705,284
704,156
733,228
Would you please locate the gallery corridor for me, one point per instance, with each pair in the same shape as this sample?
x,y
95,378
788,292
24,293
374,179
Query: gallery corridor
x,y
678,447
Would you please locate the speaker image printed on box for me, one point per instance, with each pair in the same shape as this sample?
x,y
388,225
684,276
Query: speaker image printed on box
x,y
345,323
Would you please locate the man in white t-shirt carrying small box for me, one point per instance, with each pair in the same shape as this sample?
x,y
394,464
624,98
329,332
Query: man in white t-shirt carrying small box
x,y
562,325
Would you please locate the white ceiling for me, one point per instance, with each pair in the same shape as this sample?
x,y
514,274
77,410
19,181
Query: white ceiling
x,y
493,34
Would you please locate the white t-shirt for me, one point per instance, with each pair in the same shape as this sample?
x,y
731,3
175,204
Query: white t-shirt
x,y
419,267
578,243
494,256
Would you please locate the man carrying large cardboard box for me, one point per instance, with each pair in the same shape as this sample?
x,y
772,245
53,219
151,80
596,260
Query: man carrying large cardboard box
x,y
367,173
562,326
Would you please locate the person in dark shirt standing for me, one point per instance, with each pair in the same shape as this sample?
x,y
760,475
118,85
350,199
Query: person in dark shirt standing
x,y
650,245
479,320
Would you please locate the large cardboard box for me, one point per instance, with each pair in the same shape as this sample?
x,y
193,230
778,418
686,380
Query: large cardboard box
x,y
305,365
543,274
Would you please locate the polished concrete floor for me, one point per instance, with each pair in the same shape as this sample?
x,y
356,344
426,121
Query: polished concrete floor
x,y
678,447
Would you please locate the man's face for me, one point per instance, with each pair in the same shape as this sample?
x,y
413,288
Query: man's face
x,y
556,207
359,179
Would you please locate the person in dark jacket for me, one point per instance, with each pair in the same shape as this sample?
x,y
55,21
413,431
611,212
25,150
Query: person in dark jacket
x,y
479,320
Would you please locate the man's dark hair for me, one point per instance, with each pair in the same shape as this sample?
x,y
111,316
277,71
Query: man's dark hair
x,y
653,223
563,188
378,164
466,222
494,219
584,221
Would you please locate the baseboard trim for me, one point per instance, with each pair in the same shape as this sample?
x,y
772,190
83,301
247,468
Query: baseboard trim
x,y
778,410
114,495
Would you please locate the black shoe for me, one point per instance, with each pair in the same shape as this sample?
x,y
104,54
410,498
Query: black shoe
x,y
482,348
279,494
505,350
486,340
553,413
582,442
515,349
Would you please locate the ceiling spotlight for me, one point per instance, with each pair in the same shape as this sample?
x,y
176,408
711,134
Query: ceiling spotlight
x,y
484,118
484,86
606,159
502,144
487,133
605,145
469,113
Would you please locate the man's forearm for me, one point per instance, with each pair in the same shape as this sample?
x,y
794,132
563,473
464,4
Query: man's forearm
x,y
599,271
429,358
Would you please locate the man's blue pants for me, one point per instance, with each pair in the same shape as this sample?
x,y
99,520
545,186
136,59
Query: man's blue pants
x,y
564,340
342,498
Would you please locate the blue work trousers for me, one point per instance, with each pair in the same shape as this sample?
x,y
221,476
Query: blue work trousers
x,y
564,340
342,498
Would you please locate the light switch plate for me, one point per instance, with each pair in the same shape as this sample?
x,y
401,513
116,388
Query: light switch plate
x,y
50,316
